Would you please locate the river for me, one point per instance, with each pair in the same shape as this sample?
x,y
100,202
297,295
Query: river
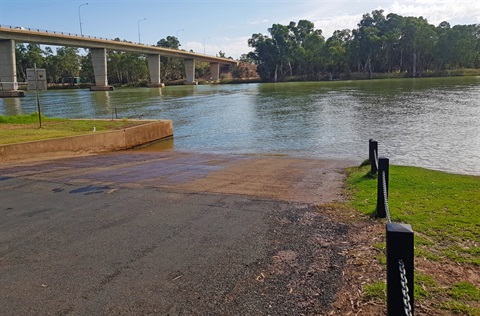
x,y
426,122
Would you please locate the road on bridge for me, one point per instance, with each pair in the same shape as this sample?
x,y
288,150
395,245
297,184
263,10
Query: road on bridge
x,y
170,233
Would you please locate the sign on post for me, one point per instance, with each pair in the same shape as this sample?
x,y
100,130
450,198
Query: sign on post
x,y
36,81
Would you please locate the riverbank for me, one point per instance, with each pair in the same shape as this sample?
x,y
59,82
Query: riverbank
x,y
21,139
443,211
353,76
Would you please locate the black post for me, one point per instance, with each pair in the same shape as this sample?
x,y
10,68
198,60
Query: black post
x,y
399,246
383,167
372,152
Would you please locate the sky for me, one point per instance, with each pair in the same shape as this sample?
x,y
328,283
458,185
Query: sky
x,y
212,26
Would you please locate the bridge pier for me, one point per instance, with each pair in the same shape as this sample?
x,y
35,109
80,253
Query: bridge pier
x,y
190,71
99,60
154,70
8,70
215,71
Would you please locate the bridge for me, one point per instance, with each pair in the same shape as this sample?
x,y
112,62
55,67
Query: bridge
x,y
98,47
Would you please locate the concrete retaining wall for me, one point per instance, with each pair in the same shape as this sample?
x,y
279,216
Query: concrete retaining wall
x,y
91,143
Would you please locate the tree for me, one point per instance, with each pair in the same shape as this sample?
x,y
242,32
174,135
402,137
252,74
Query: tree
x,y
86,68
368,41
171,68
418,37
337,49
291,50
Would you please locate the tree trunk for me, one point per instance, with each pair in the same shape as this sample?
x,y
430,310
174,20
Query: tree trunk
x,y
414,70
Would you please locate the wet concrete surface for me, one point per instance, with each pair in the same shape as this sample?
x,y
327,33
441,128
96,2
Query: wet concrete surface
x,y
169,233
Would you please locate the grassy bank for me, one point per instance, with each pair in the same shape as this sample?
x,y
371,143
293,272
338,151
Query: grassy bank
x,y
24,128
443,210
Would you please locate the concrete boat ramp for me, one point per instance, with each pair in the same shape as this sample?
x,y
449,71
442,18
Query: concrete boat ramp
x,y
170,233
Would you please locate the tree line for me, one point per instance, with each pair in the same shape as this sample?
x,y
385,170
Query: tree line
x,y
408,46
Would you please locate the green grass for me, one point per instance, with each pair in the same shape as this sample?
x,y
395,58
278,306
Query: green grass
x,y
377,290
466,291
24,128
442,208
460,308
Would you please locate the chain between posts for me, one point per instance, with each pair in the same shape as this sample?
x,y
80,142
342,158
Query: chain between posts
x,y
385,195
404,283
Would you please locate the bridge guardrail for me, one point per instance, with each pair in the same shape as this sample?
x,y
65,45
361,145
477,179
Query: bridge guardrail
x,y
65,33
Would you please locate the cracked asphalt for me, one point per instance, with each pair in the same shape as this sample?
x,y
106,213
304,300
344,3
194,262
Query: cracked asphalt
x,y
170,233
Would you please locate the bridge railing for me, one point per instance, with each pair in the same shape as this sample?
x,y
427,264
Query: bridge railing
x,y
64,33
399,240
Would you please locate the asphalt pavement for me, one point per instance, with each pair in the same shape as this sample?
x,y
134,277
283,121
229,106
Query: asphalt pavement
x,y
170,233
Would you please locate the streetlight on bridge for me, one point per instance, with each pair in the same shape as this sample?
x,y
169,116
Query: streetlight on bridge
x,y
80,17
138,24
179,31
204,44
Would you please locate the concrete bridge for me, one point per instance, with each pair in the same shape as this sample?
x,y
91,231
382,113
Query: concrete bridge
x,y
98,47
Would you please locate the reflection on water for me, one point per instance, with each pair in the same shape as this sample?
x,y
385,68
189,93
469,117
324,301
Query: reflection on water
x,y
12,106
425,122
161,145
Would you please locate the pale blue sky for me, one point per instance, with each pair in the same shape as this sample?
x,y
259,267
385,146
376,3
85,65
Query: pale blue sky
x,y
220,25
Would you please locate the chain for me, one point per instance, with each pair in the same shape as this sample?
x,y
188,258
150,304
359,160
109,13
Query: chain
x,y
385,197
403,281
376,158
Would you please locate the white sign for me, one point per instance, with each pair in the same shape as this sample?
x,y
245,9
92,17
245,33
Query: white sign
x,y
40,78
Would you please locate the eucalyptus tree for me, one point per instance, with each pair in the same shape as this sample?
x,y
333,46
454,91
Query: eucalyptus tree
x,y
307,48
265,56
171,68
419,39
86,68
62,65
466,41
26,57
22,62
367,42
290,50
337,52
126,68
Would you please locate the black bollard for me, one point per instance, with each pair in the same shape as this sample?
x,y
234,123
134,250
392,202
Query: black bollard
x,y
383,167
400,239
372,153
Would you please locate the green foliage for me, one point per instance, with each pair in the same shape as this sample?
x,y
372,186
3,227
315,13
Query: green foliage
x,y
442,208
171,68
124,68
381,44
